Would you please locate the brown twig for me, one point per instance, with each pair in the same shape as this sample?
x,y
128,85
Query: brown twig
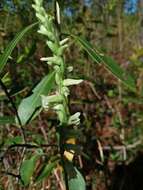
x,y
62,187
27,146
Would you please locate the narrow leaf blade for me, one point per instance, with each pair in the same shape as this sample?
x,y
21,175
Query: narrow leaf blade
x,y
46,171
109,63
77,182
30,104
5,56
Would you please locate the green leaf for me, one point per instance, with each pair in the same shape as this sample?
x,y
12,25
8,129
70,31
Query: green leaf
x,y
5,56
46,171
14,140
77,182
29,105
109,63
7,120
27,170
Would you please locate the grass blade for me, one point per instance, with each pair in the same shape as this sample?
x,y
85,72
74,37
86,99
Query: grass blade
x,y
5,56
109,63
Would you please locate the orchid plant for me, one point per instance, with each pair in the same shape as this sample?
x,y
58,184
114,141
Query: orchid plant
x,y
59,100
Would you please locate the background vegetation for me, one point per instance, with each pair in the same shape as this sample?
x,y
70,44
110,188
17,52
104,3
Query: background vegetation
x,y
111,120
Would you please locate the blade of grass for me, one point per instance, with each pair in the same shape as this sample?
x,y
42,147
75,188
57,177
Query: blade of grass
x,y
108,62
5,56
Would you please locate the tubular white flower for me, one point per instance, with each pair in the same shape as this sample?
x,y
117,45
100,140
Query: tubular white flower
x,y
74,119
69,82
59,101
63,42
47,101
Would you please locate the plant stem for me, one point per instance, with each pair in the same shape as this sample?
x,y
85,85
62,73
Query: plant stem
x,y
61,145
14,109
61,133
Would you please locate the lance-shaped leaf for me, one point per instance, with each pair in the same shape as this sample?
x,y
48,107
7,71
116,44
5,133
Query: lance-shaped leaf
x,y
30,104
5,56
109,63
46,171
77,182
27,169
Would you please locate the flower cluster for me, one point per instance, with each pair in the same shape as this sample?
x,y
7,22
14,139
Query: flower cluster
x,y
58,101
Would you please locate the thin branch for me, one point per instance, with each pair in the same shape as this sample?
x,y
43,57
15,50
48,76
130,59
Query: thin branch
x,y
91,85
59,180
33,146
27,146
10,174
14,109
127,147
